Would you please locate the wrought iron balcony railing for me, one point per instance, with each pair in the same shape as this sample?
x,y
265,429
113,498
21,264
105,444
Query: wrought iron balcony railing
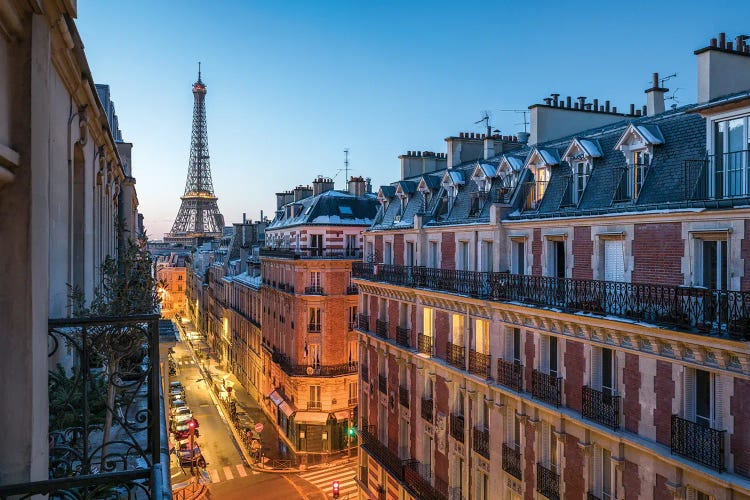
x,y
510,374
352,326
364,322
311,253
381,452
546,387
428,406
628,181
424,344
402,336
533,194
314,290
315,369
457,425
548,481
313,327
601,407
691,309
479,364
414,476
403,396
698,443
352,290
314,405
481,442
383,384
104,415
717,177
455,355
381,328
512,460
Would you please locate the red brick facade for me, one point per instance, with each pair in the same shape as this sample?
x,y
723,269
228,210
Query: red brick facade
x,y
664,391
740,439
574,472
536,253
632,382
583,249
448,251
574,366
657,253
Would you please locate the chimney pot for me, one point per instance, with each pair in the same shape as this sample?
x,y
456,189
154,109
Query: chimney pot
x,y
632,109
656,80
547,101
722,38
555,98
581,102
644,110
568,101
713,42
587,106
601,108
614,108
729,45
637,112
738,43
596,104
606,106
575,105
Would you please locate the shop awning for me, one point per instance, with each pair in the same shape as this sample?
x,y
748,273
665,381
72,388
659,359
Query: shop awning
x,y
286,409
276,398
343,415
311,417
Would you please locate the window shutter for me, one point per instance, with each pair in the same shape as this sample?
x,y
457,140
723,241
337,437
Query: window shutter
x,y
596,368
718,402
546,438
691,494
544,340
597,470
614,260
689,393
508,344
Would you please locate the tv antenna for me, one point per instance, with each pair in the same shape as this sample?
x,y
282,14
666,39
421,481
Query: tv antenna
x,y
486,115
525,113
346,167
668,77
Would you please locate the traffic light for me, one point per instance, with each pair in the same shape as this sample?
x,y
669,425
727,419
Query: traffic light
x,y
191,423
335,489
351,431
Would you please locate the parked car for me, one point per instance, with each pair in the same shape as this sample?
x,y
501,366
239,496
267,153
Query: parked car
x,y
176,405
181,419
181,411
186,454
176,397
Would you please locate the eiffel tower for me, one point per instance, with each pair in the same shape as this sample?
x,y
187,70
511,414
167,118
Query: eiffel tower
x,y
199,219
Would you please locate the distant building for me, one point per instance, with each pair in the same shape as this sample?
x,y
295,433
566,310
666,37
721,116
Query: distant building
x,y
171,273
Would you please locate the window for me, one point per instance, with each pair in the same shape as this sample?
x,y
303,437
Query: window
x,y
482,336
351,244
315,279
457,329
352,317
536,190
556,259
353,393
403,315
315,395
403,439
487,257
383,424
463,256
352,351
314,315
549,355
316,245
382,309
518,257
513,346
549,447
613,257
602,473
179,288
313,358
427,455
483,486
581,174
700,397
409,257
428,321
388,253
728,175
433,258
179,277
370,253
711,263
603,374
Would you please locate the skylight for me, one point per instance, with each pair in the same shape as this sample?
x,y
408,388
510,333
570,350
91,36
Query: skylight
x,y
345,210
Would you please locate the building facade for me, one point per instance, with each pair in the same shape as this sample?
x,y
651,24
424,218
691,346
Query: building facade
x,y
171,274
564,315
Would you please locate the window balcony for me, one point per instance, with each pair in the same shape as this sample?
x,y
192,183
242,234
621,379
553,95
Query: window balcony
x,y
455,355
457,427
313,327
691,309
381,328
403,396
383,384
546,387
698,443
512,460
364,322
510,374
314,290
548,481
314,405
311,253
424,344
628,182
387,458
479,364
717,177
402,336
77,468
417,477
314,369
601,407
428,406
481,442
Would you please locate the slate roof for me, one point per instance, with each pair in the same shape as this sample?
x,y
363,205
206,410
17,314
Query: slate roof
x,y
337,208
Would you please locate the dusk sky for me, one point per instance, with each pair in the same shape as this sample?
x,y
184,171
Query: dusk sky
x,y
291,84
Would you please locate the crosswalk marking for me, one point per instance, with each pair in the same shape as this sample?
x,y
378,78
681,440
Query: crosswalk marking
x,y
241,470
228,472
214,475
324,478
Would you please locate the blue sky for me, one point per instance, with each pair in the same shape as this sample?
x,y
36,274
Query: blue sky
x,y
291,84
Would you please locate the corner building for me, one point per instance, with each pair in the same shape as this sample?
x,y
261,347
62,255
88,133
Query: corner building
x,y
566,315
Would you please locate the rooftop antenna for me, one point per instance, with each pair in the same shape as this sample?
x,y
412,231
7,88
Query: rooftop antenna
x,y
346,166
199,71
486,119
668,77
525,113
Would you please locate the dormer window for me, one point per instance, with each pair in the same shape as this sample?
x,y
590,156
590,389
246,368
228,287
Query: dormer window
x,y
581,174
729,174
637,145
580,155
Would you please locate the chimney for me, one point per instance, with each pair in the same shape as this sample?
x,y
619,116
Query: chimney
x,y
280,200
465,147
357,186
368,185
723,68
655,97
301,192
321,185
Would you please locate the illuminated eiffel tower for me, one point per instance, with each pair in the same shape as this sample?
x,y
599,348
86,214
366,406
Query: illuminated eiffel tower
x,y
199,219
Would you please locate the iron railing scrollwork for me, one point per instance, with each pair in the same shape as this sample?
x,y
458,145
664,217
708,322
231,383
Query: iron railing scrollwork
x,y
414,476
403,396
512,460
601,407
481,442
427,408
510,374
546,387
457,425
717,177
314,290
548,481
479,364
381,328
402,336
699,443
363,321
455,355
424,344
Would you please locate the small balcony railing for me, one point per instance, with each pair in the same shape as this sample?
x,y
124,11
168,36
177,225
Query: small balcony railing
x,y
403,396
479,364
314,290
417,476
717,177
510,374
313,327
314,405
546,387
548,481
424,344
455,355
457,427
352,290
384,455
314,369
533,194
628,181
364,475
364,322
512,460
383,384
428,406
699,443
402,336
481,442
601,407
352,325
381,328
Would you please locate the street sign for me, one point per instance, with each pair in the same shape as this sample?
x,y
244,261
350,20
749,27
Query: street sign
x,y
259,427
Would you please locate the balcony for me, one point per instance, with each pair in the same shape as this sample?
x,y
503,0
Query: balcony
x,y
601,407
383,384
455,355
428,406
479,364
352,290
313,327
512,460
315,369
314,290
402,336
311,253
717,177
628,182
403,396
364,475
382,453
417,477
381,328
364,322
548,481
700,311
510,374
424,344
85,461
546,387
314,405
698,443
481,442
457,427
